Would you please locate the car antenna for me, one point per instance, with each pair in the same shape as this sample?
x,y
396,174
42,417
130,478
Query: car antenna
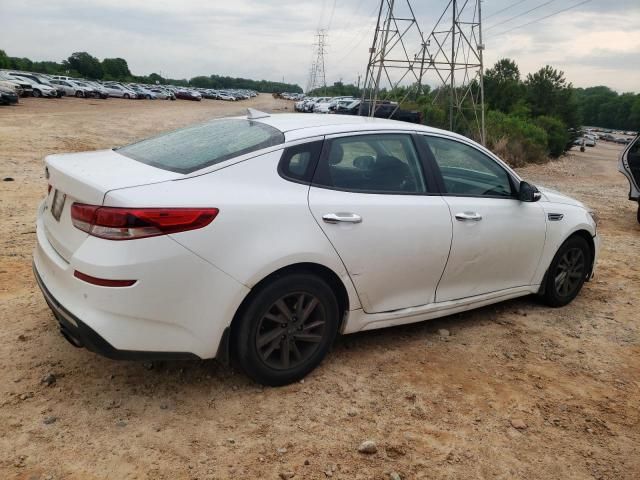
x,y
252,114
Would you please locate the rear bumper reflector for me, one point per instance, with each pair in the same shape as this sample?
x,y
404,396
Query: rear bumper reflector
x,y
103,282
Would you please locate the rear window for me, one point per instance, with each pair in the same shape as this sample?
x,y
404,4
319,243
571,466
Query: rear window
x,y
203,145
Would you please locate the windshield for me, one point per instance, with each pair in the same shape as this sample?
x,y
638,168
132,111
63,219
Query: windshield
x,y
200,146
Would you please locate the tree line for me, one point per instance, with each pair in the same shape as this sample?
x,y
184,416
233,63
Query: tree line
x,y
85,65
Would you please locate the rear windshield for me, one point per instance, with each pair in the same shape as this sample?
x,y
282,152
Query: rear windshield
x,y
199,146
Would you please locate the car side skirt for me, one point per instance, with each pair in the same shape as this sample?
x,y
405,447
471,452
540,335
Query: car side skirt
x,y
358,320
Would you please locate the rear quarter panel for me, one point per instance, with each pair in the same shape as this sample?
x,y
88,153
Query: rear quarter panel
x,y
264,222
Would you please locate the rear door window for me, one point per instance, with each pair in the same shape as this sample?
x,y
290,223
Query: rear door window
x,y
200,146
379,163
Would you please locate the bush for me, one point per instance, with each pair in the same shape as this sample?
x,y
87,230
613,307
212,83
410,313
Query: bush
x,y
434,116
516,140
557,134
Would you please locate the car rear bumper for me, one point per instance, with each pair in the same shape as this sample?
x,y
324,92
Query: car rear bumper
x,y
80,335
179,306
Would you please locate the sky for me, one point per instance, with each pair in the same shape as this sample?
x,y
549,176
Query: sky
x,y
596,43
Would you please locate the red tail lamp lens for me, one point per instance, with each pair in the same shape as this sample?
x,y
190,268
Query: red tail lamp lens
x,y
131,223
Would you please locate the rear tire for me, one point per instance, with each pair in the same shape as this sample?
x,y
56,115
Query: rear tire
x,y
285,329
567,272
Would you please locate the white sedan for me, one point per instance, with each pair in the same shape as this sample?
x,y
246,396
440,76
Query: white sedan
x,y
263,237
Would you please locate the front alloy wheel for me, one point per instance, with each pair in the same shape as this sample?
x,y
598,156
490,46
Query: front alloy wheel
x,y
568,272
285,328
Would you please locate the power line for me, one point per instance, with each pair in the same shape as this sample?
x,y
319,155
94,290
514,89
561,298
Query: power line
x,y
505,9
519,15
333,10
542,18
363,33
321,15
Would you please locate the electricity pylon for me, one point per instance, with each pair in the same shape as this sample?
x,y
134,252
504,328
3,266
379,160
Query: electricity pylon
x,y
451,56
317,74
390,64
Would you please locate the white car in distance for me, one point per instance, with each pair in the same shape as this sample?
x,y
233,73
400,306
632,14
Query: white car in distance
x,y
74,89
119,91
265,236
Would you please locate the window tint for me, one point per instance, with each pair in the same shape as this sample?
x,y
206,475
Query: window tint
x,y
199,146
298,162
386,163
467,171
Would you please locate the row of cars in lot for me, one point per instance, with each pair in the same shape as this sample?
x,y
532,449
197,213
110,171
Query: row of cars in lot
x,y
590,137
15,84
347,105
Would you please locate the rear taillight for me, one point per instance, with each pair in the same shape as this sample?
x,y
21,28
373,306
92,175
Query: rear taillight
x,y
131,223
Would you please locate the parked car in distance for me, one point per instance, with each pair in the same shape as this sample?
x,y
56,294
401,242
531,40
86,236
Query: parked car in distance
x,y
317,225
39,80
163,94
188,94
74,88
25,85
8,95
120,91
14,86
143,93
98,88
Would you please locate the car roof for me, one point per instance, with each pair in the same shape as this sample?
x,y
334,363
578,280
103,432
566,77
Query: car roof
x,y
297,126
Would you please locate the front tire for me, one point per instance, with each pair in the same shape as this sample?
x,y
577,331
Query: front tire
x,y
286,329
127,96
79,94
36,93
567,272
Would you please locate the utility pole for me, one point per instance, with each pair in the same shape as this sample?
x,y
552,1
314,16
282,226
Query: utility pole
x,y
452,88
483,133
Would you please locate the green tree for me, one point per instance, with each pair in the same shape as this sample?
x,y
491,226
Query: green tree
x,y
85,64
4,60
115,68
557,135
634,115
549,93
503,88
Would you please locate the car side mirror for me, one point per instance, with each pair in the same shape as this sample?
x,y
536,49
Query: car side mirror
x,y
528,192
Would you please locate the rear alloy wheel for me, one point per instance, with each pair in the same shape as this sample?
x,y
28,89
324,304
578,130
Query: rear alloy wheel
x,y
286,329
568,272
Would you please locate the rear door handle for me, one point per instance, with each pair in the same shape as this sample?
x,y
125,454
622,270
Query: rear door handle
x,y
468,217
342,218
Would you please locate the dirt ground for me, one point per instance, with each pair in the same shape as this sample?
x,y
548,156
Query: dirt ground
x,y
517,390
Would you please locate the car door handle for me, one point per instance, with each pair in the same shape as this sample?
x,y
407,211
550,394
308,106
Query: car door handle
x,y
468,217
342,218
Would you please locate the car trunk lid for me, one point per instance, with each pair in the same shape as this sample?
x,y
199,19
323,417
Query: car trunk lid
x,y
86,178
